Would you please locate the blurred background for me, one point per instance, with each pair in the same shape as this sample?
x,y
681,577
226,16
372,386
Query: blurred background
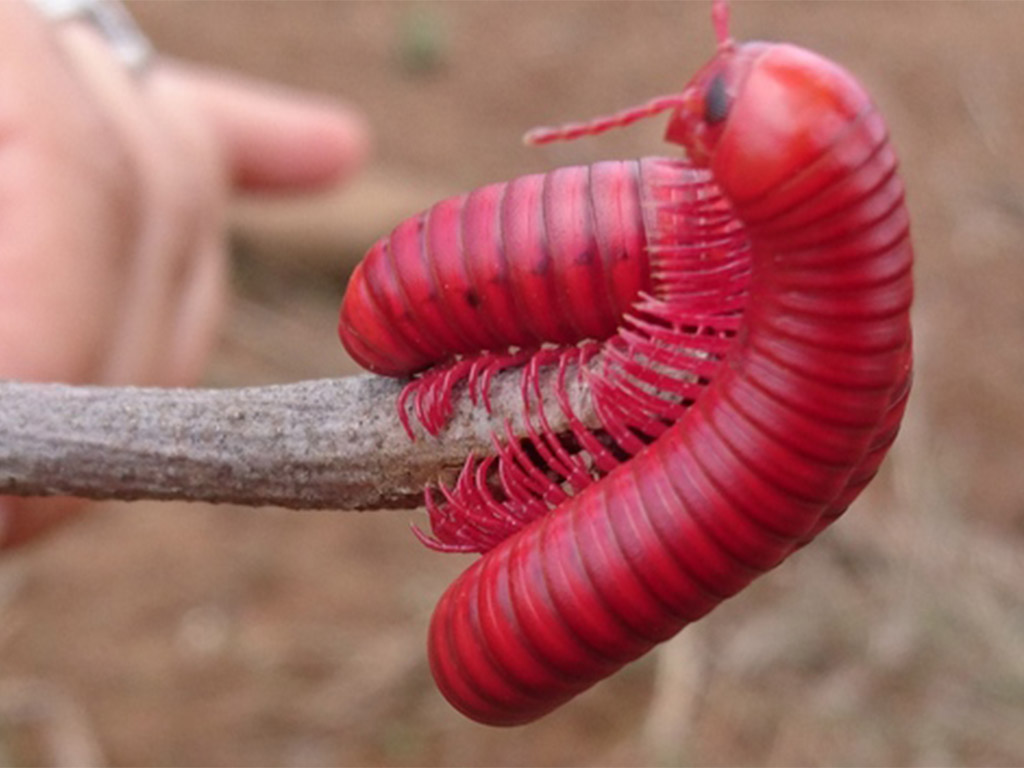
x,y
182,634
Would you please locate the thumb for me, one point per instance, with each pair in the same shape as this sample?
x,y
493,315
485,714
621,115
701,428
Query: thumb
x,y
274,138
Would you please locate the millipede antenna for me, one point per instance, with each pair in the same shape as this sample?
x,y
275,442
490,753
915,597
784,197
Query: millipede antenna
x,y
630,115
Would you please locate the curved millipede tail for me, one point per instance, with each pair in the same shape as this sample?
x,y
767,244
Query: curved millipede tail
x,y
738,326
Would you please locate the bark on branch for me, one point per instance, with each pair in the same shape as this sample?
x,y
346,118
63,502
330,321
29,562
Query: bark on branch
x,y
327,444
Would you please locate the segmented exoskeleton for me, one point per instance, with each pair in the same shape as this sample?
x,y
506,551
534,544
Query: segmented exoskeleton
x,y
740,319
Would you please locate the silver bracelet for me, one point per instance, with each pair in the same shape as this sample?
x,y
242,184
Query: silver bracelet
x,y
111,20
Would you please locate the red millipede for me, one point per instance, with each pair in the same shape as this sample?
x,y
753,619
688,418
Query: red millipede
x,y
740,322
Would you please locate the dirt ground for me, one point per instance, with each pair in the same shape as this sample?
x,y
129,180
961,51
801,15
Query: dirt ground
x,y
169,634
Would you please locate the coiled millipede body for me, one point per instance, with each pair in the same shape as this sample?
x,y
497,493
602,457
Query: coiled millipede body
x,y
740,319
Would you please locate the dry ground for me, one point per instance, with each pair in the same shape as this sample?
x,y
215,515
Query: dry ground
x,y
173,634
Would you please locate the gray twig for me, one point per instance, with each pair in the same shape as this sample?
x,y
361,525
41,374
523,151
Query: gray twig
x,y
332,443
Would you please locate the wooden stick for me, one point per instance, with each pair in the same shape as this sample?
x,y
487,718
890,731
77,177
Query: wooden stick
x,y
332,443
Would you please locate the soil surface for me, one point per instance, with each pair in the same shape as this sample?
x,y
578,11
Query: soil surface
x,y
170,634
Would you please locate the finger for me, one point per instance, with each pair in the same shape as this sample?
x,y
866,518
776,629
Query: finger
x,y
22,520
272,138
196,319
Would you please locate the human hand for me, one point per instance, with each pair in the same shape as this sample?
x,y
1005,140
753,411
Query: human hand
x,y
113,189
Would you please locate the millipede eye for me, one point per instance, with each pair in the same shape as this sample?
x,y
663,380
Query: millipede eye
x,y
716,101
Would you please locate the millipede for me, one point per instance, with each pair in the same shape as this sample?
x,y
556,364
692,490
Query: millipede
x,y
739,318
